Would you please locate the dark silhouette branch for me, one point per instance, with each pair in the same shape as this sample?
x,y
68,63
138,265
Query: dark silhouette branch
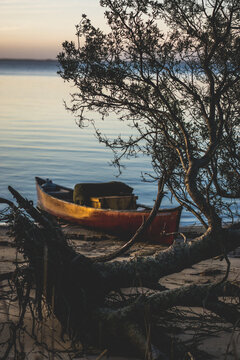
x,y
140,232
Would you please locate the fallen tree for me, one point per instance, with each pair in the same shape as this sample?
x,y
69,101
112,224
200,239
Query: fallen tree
x,y
179,90
169,70
86,294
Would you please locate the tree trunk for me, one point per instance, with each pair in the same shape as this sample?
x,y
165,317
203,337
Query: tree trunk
x,y
148,270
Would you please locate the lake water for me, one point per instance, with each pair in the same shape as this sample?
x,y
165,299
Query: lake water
x,y
38,137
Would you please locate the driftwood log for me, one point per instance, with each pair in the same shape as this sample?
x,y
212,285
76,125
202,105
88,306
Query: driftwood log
x,y
79,290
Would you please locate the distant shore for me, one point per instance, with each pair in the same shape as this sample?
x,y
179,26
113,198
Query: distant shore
x,y
27,59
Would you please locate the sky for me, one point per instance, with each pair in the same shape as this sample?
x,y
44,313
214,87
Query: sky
x,y
35,29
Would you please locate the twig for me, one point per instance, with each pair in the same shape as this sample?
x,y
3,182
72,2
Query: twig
x,y
176,233
102,354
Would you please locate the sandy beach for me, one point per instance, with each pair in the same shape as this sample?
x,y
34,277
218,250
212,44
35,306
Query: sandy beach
x,y
224,342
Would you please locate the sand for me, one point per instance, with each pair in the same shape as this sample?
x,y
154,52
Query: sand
x,y
224,343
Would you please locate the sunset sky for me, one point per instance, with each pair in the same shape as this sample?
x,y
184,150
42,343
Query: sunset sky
x,y
36,28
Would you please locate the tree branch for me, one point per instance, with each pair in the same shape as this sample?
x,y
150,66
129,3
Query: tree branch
x,y
140,231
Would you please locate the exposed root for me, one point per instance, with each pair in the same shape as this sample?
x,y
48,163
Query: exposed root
x,y
54,281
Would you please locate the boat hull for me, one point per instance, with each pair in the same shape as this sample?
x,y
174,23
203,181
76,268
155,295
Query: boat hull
x,y
119,222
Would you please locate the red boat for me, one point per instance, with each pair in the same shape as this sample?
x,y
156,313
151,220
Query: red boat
x,y
58,201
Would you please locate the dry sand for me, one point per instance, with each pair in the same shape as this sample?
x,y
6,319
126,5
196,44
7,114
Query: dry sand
x,y
225,344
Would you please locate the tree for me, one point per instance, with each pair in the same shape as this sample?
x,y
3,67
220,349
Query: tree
x,y
178,87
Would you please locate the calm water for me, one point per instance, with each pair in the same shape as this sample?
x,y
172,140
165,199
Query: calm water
x,y
38,137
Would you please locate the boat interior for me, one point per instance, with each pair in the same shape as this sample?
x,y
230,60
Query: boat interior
x,y
57,191
113,195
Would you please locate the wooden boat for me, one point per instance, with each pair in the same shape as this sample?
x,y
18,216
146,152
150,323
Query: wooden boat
x,y
58,201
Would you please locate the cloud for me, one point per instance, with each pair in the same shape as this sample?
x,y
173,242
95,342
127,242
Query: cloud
x,y
9,28
54,4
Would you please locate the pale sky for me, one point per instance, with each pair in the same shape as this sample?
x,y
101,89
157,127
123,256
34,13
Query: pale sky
x,y
36,28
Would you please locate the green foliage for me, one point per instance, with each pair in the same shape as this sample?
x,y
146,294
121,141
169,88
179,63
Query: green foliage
x,y
170,69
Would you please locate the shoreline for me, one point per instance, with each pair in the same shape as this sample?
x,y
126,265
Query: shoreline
x,y
87,243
